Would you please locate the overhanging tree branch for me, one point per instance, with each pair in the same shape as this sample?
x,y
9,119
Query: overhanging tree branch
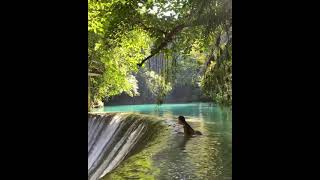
x,y
168,38
200,21
145,27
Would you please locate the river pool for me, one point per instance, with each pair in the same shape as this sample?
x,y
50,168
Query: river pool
x,y
202,157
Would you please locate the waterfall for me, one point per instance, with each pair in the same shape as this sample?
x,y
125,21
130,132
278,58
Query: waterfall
x,y
114,136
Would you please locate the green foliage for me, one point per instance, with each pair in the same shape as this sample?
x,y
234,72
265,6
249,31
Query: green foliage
x,y
187,71
157,86
117,64
217,81
123,33
113,52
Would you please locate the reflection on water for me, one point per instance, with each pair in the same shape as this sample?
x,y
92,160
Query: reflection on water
x,y
202,157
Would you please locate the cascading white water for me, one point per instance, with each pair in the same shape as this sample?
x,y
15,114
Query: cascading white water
x,y
111,138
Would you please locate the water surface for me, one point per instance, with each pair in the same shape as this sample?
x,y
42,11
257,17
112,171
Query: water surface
x,y
203,157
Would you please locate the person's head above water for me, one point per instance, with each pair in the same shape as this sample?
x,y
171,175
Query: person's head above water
x,y
187,128
181,120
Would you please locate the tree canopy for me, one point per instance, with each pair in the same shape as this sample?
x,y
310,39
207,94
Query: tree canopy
x,y
125,34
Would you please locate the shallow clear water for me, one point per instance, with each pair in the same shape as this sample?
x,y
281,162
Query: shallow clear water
x,y
202,157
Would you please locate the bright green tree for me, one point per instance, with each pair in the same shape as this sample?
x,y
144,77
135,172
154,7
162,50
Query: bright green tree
x,y
124,34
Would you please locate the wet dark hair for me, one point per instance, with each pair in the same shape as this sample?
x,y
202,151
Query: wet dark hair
x,y
181,118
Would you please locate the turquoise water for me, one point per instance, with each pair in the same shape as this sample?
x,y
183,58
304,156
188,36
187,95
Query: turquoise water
x,y
203,157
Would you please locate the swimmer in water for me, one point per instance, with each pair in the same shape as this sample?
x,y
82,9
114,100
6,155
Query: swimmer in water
x,y
187,128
